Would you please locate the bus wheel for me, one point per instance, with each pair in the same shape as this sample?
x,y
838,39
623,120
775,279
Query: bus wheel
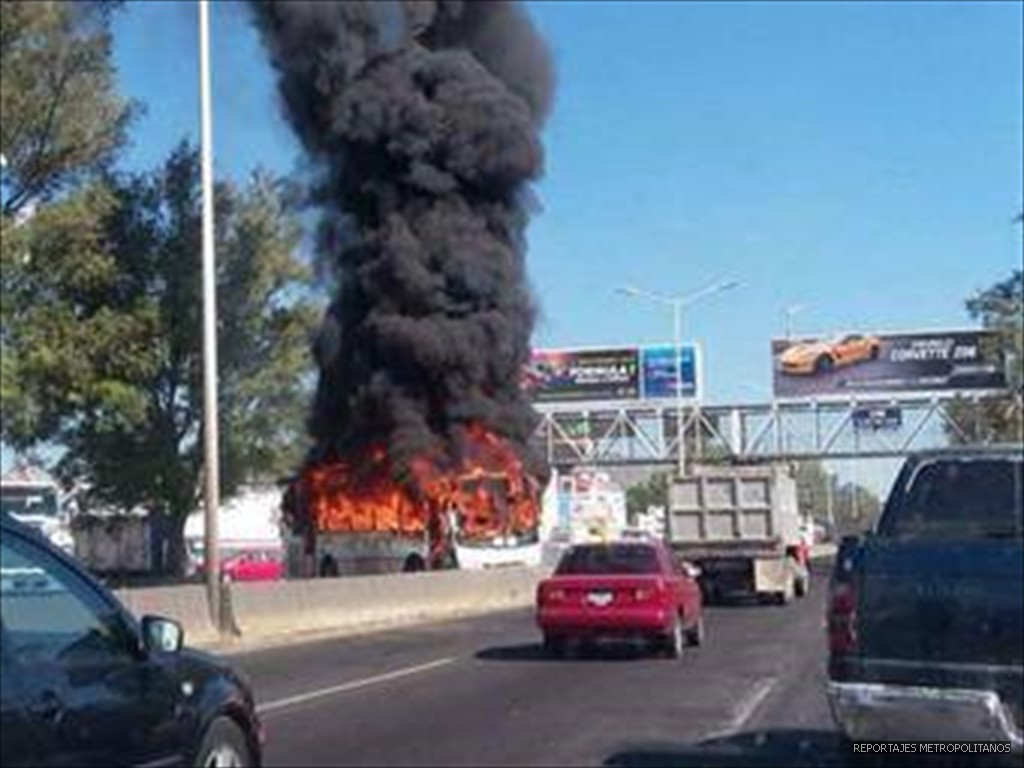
x,y
328,567
413,564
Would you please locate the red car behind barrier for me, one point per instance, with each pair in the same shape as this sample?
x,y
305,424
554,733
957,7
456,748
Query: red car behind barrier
x,y
621,589
252,566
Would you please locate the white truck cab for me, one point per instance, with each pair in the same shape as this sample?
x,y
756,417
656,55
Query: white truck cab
x,y
31,497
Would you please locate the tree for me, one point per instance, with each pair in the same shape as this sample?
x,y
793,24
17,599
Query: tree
x,y
64,344
61,123
61,118
856,509
651,493
999,308
131,429
814,486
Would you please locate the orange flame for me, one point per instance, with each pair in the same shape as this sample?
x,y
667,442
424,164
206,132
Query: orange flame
x,y
488,490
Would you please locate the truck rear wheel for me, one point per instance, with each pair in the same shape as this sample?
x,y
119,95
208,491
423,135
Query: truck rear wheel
x,y
802,586
785,597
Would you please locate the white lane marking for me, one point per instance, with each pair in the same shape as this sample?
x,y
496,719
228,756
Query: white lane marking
x,y
352,685
758,693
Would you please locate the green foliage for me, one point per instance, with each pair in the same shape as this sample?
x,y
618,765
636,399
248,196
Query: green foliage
x,y
102,335
853,508
856,509
651,493
996,419
65,345
265,329
60,115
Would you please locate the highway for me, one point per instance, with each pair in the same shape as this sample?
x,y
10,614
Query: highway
x,y
480,692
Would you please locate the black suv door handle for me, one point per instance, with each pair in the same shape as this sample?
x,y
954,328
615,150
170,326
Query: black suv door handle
x,y
47,708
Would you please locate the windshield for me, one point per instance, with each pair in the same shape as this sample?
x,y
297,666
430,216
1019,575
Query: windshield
x,y
609,560
972,498
25,502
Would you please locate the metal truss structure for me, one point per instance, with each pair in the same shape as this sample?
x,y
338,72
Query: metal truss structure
x,y
636,433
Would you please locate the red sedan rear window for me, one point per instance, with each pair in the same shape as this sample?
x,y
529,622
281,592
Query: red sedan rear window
x,y
609,559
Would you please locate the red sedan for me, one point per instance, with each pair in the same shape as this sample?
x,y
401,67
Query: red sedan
x,y
252,566
623,589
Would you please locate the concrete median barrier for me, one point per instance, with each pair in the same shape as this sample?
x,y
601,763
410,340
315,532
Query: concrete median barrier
x,y
282,609
352,603
185,603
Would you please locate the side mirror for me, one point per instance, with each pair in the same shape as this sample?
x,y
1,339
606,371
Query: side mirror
x,y
160,635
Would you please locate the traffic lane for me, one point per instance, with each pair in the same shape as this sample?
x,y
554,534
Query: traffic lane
x,y
499,701
293,670
786,721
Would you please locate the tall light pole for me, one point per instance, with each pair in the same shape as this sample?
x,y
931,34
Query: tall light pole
x,y
677,304
211,465
789,311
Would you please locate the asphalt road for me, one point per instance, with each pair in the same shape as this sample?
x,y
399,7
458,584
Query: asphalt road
x,y
480,692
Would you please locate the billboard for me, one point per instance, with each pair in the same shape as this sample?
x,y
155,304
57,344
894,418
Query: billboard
x,y
856,363
584,374
660,372
610,374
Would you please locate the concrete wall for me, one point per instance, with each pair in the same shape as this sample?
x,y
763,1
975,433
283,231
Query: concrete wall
x,y
264,610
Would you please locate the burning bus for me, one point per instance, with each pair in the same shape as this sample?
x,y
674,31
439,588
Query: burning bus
x,y
422,122
483,513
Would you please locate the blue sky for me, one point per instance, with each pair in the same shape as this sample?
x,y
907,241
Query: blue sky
x,y
863,159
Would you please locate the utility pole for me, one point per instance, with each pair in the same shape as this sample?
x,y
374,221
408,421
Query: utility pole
x,y
211,466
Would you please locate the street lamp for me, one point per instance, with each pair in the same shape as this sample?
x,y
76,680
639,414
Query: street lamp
x,y
677,304
788,312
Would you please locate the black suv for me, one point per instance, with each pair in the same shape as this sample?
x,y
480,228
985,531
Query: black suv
x,y
82,683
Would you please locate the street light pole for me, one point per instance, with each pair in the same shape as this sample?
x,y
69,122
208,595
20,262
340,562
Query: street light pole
x,y
211,467
677,351
678,303
789,312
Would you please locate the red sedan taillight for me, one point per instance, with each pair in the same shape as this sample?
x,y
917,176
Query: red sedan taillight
x,y
842,619
547,595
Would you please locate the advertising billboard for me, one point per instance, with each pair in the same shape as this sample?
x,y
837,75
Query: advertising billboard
x,y
660,373
610,374
855,363
584,374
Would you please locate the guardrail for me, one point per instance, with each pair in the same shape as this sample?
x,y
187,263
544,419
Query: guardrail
x,y
265,610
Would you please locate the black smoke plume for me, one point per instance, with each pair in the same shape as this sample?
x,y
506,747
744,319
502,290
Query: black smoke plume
x,y
423,119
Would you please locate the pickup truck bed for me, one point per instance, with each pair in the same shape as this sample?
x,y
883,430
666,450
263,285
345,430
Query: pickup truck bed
x,y
927,613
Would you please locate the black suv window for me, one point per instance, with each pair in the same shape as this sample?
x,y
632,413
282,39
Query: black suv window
x,y
51,615
976,497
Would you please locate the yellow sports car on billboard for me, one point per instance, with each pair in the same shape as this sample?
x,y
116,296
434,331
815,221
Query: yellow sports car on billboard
x,y
809,358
